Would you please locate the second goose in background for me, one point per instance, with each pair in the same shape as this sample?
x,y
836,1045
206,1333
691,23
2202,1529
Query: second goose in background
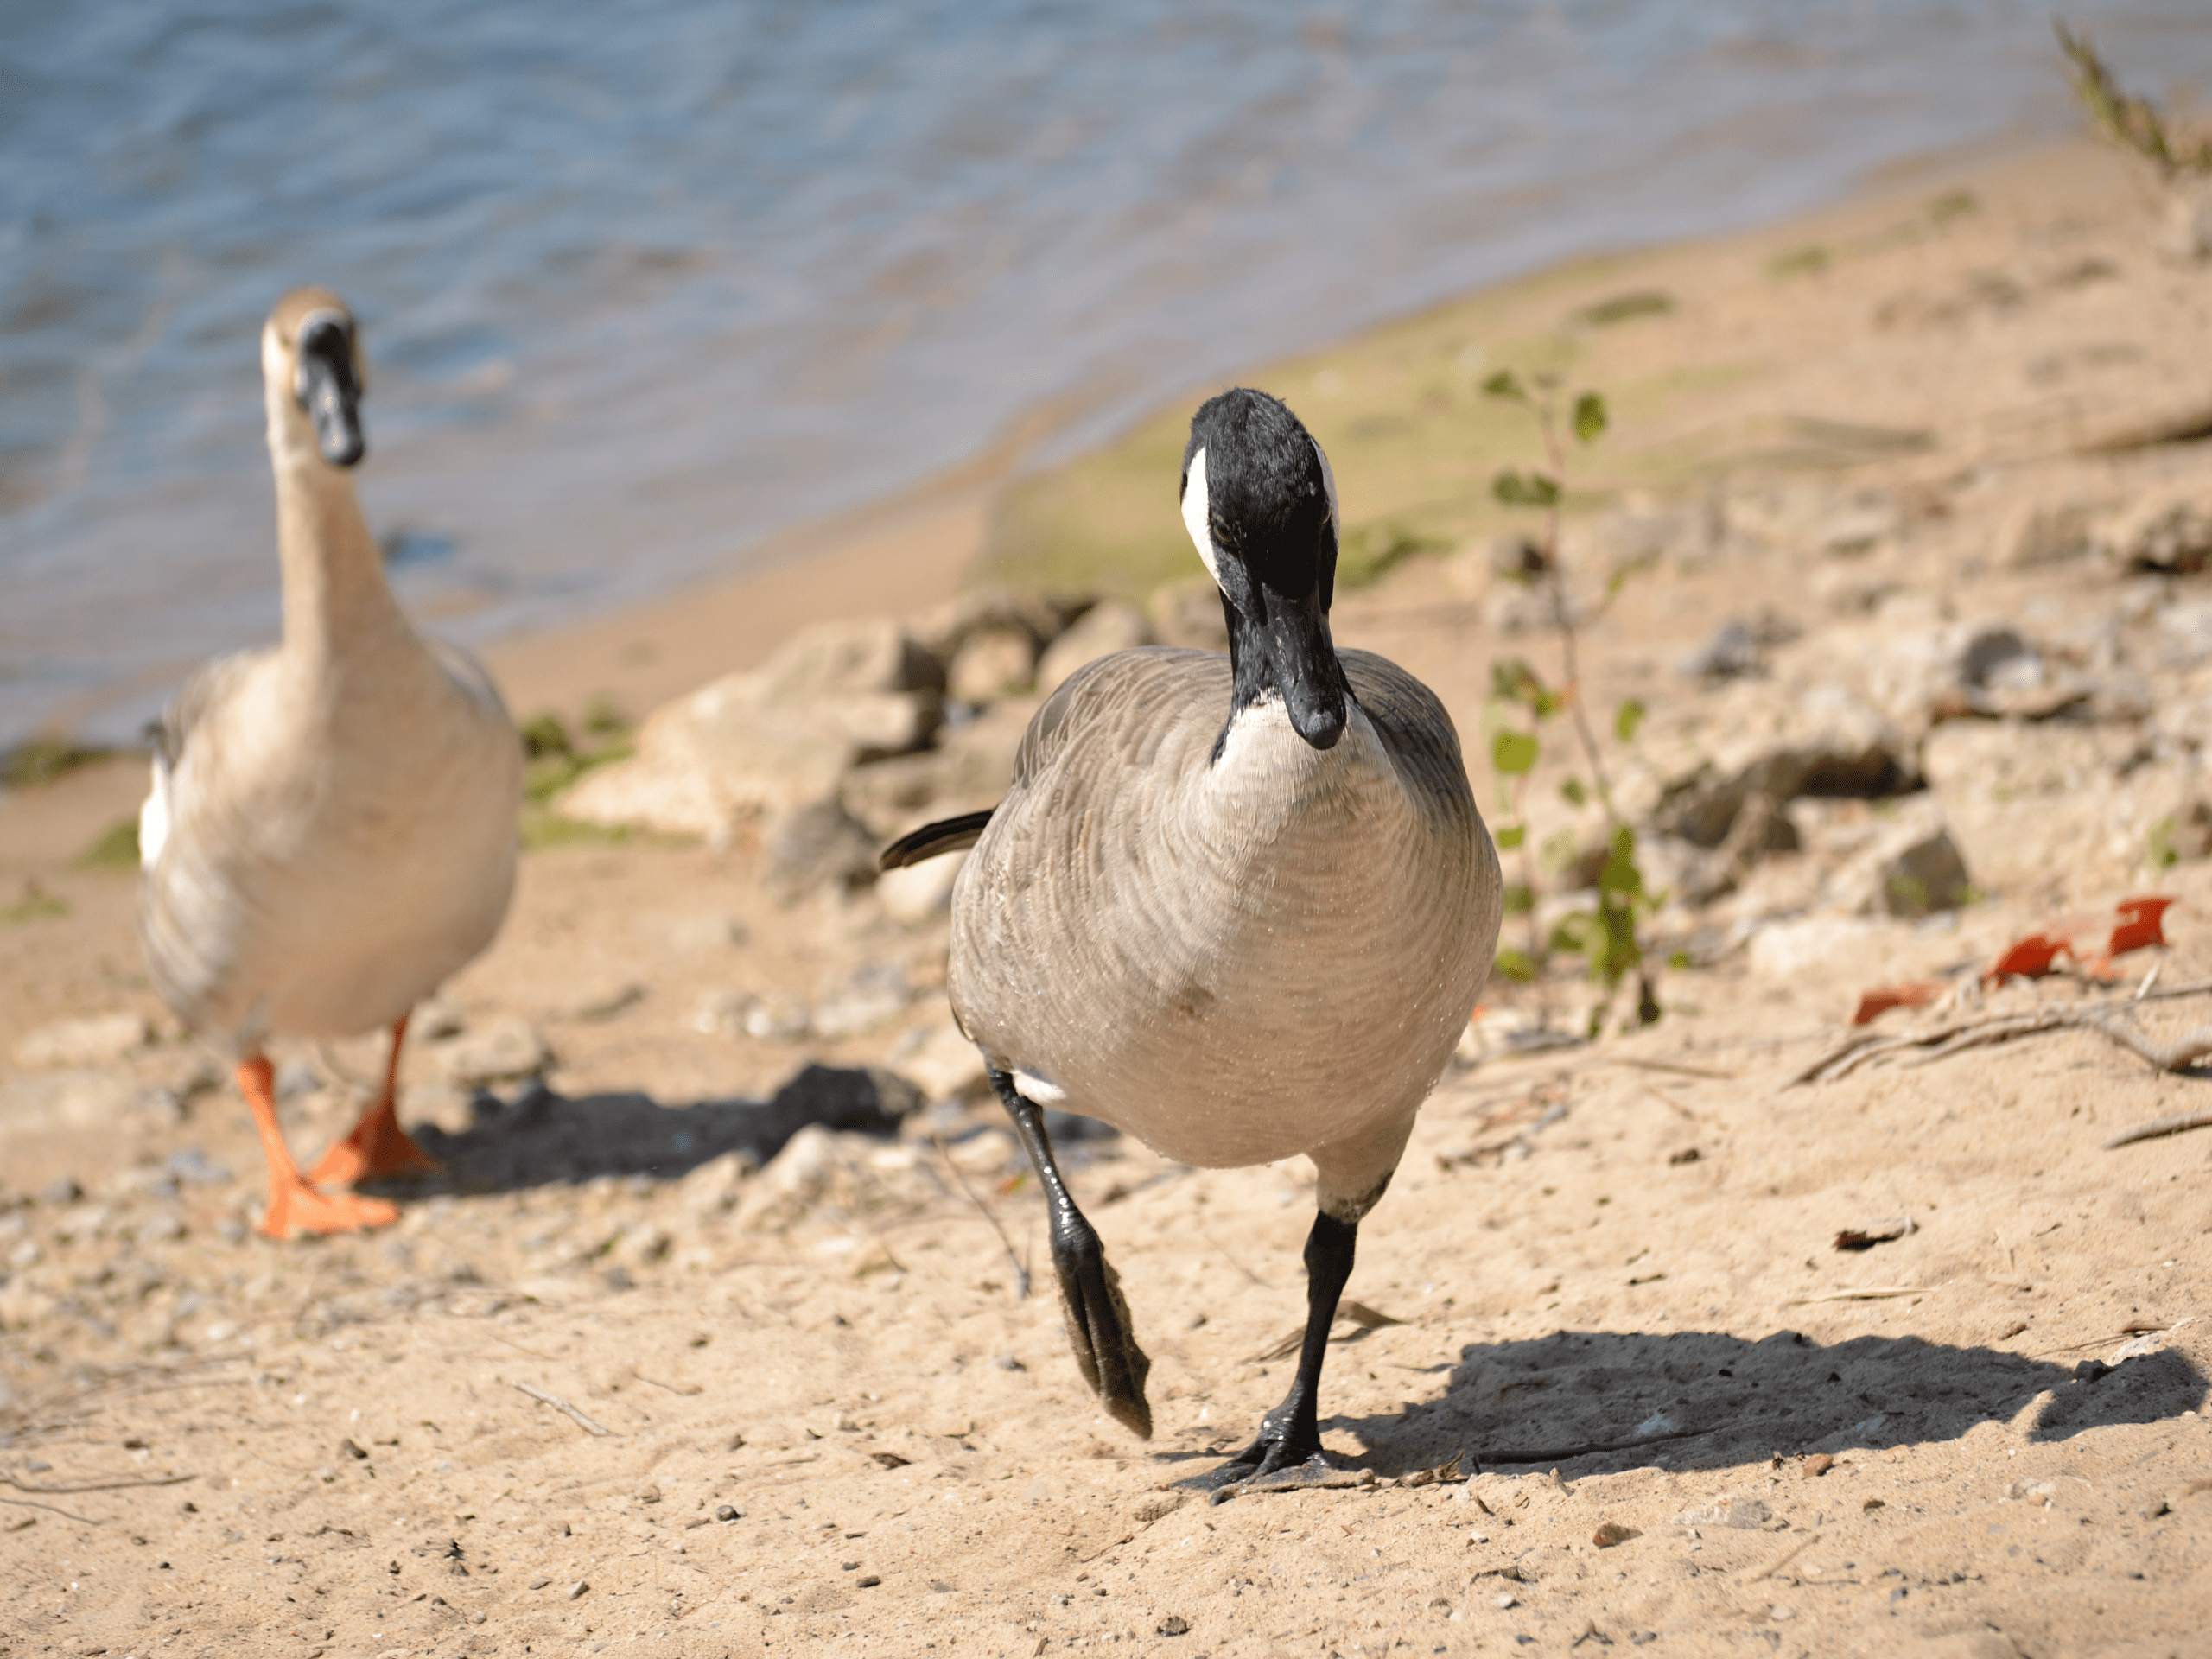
x,y
1238,907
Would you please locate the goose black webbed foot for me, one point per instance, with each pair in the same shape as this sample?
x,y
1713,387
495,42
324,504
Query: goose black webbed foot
x,y
1288,1450
1097,1316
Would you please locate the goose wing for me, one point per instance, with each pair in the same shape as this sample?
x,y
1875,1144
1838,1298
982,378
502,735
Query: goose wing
x,y
1417,731
1112,697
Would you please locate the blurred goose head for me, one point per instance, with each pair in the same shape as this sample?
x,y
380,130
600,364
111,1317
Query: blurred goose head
x,y
312,363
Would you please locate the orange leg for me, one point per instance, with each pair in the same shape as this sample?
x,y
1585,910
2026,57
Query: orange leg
x,y
377,1146
294,1205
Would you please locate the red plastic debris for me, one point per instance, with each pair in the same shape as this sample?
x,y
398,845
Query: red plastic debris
x,y
1879,1000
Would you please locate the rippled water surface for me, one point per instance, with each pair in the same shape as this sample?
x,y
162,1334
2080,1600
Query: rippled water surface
x,y
643,282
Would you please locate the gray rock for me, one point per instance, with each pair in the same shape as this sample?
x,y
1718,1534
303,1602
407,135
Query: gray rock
x,y
1732,652
778,737
1822,741
1913,868
1188,614
194,1167
502,1050
2167,533
1107,627
816,846
1043,617
991,663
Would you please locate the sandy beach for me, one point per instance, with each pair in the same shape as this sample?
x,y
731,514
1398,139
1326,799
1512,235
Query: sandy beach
x,y
695,1350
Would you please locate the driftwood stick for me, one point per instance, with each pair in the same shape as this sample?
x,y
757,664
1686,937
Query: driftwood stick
x,y
26,1504
561,1405
2174,1123
1940,1042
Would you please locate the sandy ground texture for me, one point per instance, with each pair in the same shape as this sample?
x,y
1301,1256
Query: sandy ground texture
x,y
730,1326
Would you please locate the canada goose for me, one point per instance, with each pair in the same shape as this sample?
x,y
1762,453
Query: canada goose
x,y
332,828
1239,906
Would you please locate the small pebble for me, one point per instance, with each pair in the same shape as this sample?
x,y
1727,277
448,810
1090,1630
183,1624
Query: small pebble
x,y
540,1582
577,1589
729,1512
1507,1599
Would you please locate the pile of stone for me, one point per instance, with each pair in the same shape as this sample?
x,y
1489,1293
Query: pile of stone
x,y
857,731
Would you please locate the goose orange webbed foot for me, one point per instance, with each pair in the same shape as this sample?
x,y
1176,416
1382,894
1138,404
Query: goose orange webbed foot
x,y
297,1207
376,1146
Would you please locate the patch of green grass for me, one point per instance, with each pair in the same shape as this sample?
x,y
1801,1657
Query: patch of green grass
x,y
115,848
1953,204
1626,308
37,905
1808,261
41,759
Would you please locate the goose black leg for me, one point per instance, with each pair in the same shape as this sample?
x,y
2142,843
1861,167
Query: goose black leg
x,y
1106,1350
1290,1435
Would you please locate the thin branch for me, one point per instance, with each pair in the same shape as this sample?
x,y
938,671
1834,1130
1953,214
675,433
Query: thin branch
x,y
1940,1042
563,1405
126,1484
2174,1123
25,1503
1021,1271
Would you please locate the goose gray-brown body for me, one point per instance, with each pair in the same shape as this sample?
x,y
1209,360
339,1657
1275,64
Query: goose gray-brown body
x,y
1239,906
1236,956
332,828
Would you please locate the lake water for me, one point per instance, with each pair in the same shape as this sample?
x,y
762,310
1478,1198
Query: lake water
x,y
644,283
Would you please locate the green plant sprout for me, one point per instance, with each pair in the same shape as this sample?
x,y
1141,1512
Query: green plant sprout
x,y
1606,936
2132,123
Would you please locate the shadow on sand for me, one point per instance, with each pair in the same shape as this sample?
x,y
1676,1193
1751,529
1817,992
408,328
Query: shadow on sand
x,y
541,1139
1606,1401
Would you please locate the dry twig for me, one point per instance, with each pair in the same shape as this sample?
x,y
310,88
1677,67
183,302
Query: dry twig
x,y
1940,1042
125,1484
2172,1123
561,1405
1021,1272
25,1503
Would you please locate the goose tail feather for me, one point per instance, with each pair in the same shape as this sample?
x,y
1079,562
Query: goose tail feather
x,y
933,840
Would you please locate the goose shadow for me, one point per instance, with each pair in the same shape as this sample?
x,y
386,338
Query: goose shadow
x,y
541,1139
1605,1401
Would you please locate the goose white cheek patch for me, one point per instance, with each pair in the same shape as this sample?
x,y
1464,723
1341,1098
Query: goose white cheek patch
x,y
1194,517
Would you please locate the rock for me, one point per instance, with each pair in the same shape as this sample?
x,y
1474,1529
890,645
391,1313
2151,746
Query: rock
x,y
1911,868
772,1016
94,1040
920,893
2025,803
969,769
1743,1512
435,1018
991,663
778,737
1822,741
715,1186
1189,614
1731,653
945,1066
2167,533
1787,950
1612,1533
1107,627
2035,535
877,993
194,1167
501,1050
815,846
1042,617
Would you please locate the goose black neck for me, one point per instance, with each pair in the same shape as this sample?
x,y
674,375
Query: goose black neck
x,y
1285,654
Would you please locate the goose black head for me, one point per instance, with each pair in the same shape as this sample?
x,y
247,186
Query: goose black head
x,y
1260,504
317,348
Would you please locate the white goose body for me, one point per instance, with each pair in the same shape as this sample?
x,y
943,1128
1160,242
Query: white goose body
x,y
1237,957
332,828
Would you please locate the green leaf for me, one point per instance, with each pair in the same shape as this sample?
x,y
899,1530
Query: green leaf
x,y
1516,488
1514,964
1511,680
1519,901
1573,931
1506,384
1629,718
1513,752
1574,793
1510,835
1589,417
